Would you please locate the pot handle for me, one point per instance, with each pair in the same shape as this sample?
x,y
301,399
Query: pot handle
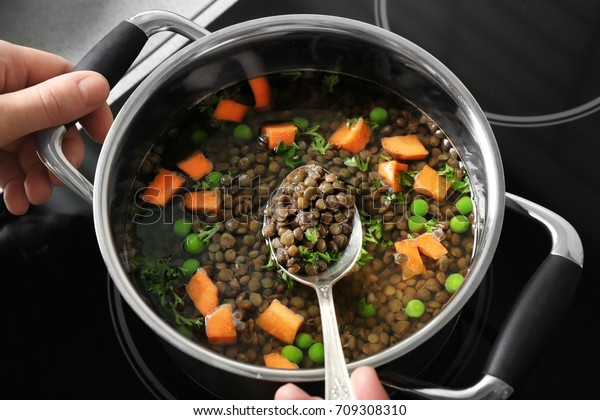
x,y
112,57
543,301
539,308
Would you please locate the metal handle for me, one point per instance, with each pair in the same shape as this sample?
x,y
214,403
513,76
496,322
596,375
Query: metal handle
x,y
111,56
337,378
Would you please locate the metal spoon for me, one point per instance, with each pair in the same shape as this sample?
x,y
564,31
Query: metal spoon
x,y
337,379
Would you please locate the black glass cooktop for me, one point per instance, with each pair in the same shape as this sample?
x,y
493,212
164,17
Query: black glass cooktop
x,y
533,67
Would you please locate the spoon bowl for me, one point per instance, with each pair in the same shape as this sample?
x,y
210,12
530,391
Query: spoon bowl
x,y
337,379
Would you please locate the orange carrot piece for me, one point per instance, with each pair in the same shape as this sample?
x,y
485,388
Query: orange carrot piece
x,y
163,187
280,321
203,292
413,265
261,91
206,201
429,245
276,360
351,138
230,110
404,147
389,171
276,133
431,184
196,165
220,326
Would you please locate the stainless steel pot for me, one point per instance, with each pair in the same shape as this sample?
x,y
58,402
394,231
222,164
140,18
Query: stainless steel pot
x,y
296,42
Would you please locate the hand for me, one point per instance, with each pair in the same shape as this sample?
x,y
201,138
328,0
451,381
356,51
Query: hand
x,y
364,381
37,92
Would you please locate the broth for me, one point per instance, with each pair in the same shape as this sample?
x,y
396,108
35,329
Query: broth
x,y
400,283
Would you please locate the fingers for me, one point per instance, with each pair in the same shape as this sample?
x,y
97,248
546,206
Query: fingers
x,y
364,381
57,101
24,66
366,384
98,123
292,392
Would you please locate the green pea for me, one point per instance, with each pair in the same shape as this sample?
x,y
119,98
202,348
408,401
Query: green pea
x,y
182,227
213,179
190,266
242,131
464,205
419,207
192,244
316,353
415,308
378,115
300,122
292,353
198,136
304,340
416,223
459,224
453,282
364,309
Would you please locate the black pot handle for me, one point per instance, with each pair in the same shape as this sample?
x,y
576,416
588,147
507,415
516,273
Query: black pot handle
x,y
115,53
112,57
542,303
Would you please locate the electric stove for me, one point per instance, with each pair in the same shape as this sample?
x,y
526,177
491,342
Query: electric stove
x,y
531,64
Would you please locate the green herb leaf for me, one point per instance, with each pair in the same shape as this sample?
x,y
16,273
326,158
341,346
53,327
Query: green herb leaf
x,y
271,263
357,162
313,257
407,178
391,197
329,81
319,143
289,154
376,183
431,225
461,185
295,75
287,279
163,279
372,228
364,257
312,234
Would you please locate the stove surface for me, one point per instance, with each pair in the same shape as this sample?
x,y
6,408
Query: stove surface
x,y
531,64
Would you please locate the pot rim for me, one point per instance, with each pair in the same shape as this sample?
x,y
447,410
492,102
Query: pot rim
x,y
493,197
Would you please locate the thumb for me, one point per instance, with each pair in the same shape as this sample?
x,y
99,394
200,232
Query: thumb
x,y
56,101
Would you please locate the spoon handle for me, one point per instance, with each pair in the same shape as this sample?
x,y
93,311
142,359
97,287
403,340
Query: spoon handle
x,y
337,379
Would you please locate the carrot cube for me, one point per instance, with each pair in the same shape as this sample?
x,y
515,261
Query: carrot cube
x,y
351,137
276,133
276,360
163,187
261,91
431,184
280,321
390,171
229,110
413,264
429,245
220,326
206,201
404,147
203,292
196,165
